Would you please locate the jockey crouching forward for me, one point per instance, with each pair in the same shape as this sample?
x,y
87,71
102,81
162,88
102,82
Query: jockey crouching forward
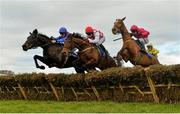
x,y
152,50
96,37
62,38
141,34
63,35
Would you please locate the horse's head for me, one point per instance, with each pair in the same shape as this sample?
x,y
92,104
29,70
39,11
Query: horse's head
x,y
117,26
68,46
32,41
35,40
74,41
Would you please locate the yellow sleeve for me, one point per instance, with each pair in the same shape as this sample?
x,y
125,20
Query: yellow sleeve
x,y
155,51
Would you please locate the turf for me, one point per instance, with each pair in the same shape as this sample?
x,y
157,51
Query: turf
x,y
91,107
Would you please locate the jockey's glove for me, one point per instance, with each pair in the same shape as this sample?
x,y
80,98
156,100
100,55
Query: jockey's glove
x,y
53,41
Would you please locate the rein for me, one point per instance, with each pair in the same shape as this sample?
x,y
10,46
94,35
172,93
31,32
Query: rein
x,y
86,49
44,45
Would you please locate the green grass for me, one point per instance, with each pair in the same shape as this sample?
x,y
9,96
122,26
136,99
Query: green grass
x,y
54,106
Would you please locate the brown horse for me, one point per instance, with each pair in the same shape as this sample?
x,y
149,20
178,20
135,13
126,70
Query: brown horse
x,y
130,50
88,53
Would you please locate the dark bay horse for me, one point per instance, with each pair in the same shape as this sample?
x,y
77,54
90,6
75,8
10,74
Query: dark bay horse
x,y
51,52
130,50
88,53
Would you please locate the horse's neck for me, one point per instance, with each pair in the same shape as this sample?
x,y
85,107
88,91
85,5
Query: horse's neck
x,y
44,40
80,43
125,34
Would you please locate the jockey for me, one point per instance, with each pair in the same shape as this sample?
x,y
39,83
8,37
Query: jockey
x,y
141,34
96,37
151,50
63,35
61,39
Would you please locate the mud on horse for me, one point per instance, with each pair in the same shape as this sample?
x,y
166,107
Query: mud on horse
x,y
130,51
88,53
51,52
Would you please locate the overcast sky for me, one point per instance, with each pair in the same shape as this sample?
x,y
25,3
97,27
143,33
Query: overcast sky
x,y
19,17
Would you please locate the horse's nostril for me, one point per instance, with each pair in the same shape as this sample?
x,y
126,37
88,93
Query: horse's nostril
x,y
24,47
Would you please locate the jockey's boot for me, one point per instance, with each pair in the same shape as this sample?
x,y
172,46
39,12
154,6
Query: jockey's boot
x,y
143,49
140,45
104,49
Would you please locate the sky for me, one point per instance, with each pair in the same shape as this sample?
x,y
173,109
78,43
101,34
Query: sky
x,y
19,17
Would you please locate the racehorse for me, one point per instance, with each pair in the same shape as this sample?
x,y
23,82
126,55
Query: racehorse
x,y
88,53
51,52
130,50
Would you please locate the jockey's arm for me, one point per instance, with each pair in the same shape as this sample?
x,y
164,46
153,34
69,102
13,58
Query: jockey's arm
x,y
155,51
94,41
144,34
60,40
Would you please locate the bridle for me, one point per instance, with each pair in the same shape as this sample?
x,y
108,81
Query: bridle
x,y
117,28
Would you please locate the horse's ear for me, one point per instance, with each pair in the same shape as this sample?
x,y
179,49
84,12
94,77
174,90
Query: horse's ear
x,y
35,31
30,33
123,18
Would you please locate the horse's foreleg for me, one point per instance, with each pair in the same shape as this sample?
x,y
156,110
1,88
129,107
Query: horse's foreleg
x,y
42,59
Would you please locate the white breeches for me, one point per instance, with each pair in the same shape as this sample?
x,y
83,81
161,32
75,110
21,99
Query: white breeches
x,y
144,40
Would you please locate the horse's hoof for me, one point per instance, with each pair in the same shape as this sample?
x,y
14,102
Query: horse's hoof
x,y
42,67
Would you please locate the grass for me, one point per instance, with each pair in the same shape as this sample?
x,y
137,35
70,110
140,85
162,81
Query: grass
x,y
18,106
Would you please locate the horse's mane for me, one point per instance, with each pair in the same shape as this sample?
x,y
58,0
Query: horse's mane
x,y
77,35
43,35
79,38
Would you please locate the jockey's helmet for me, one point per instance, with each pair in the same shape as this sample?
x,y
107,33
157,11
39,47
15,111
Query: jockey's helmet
x,y
149,45
63,30
89,30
